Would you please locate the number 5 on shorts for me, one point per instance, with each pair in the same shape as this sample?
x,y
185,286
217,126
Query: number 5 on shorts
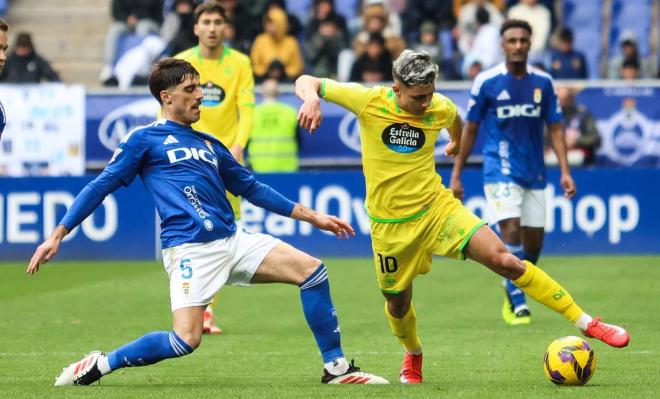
x,y
388,264
186,269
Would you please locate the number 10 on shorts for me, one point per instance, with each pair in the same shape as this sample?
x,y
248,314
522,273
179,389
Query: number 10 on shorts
x,y
388,264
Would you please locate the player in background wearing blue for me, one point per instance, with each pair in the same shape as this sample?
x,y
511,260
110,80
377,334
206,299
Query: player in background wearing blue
x,y
515,101
187,173
4,29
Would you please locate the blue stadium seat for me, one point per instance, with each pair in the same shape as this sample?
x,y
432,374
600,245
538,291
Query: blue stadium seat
x,y
300,8
4,5
126,42
347,8
630,17
584,18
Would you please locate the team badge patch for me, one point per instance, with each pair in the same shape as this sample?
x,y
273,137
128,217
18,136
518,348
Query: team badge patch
x,y
208,144
212,94
537,95
403,138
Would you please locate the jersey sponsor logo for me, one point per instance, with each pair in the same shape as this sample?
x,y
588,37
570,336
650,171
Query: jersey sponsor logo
x,y
518,110
193,199
170,140
183,154
403,138
503,96
212,94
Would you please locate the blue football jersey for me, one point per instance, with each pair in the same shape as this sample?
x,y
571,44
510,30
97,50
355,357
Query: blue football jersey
x,y
187,173
513,113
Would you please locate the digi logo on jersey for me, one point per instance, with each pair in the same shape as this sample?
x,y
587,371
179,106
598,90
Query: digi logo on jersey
x,y
403,138
212,94
182,154
516,110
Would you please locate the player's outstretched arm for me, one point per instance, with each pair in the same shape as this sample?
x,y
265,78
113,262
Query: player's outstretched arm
x,y
333,224
89,198
469,136
47,249
558,144
309,114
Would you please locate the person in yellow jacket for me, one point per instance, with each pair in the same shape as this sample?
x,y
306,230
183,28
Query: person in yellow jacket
x,y
274,140
276,45
228,103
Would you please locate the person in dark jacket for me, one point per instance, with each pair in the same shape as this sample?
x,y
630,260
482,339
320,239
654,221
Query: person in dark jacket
x,y
24,65
567,63
142,17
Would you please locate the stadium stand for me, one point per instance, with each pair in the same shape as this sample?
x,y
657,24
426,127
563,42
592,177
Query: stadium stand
x,y
579,16
69,33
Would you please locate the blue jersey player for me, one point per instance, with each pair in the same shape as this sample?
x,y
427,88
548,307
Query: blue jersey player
x,y
4,29
513,102
187,173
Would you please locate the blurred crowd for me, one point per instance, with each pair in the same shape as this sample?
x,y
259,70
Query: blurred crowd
x,y
462,35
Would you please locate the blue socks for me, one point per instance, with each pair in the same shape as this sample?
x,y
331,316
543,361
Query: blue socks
x,y
148,349
515,294
320,314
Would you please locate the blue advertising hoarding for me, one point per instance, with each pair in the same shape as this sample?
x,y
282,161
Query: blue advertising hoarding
x,y
337,142
614,212
627,118
123,227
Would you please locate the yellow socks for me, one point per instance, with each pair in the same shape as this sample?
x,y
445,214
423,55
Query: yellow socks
x,y
405,329
538,285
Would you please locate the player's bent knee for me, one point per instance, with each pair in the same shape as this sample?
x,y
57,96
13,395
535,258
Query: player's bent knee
x,y
192,338
507,265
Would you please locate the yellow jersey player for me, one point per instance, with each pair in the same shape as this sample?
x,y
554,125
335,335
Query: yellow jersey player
x,y
413,216
228,104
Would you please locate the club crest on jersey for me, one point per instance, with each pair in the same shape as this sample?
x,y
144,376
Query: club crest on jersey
x,y
208,144
212,94
403,138
537,95
183,154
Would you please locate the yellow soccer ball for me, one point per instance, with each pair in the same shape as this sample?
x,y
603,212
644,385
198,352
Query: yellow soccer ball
x,y
569,361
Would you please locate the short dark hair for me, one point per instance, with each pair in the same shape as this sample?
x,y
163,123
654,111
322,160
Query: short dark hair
x,y
209,7
566,35
515,23
3,25
168,73
631,62
24,39
482,15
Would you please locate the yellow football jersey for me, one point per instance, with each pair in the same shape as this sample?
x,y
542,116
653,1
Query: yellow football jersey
x,y
228,87
397,148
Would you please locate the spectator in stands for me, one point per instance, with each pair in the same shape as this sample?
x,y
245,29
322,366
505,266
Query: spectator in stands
x,y
377,18
276,44
24,65
629,51
567,63
323,47
177,29
375,65
466,28
473,70
273,143
630,69
428,41
582,138
485,49
294,26
419,11
538,16
244,18
142,17
322,12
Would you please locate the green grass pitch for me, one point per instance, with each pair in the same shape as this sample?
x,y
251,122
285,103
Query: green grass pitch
x,y
51,319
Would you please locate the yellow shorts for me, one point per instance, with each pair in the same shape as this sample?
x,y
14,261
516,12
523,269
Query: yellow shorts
x,y
404,250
